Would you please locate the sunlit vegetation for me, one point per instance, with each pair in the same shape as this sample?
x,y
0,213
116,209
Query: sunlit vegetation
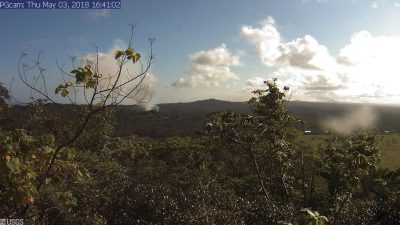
x,y
251,167
389,145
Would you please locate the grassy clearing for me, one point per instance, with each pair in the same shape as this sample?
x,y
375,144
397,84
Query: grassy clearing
x,y
389,145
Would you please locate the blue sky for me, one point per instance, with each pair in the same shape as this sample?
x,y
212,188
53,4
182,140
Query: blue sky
x,y
325,50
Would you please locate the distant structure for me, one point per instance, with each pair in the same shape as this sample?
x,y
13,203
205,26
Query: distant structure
x,y
307,132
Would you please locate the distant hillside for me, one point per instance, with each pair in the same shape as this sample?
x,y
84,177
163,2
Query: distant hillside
x,y
188,118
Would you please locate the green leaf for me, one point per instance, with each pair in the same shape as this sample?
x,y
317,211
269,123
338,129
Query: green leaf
x,y
90,83
58,89
89,70
14,165
129,51
136,57
31,175
64,92
80,77
48,150
118,54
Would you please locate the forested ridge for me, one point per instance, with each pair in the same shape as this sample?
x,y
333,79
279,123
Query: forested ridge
x,y
188,119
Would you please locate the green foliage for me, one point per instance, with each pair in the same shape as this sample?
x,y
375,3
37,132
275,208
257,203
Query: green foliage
x,y
63,89
313,217
386,187
86,76
246,169
343,165
51,172
263,134
23,163
268,121
36,121
19,169
99,132
129,53
308,217
5,116
4,95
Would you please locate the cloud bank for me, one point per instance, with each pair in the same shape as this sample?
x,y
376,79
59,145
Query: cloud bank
x,y
365,70
210,68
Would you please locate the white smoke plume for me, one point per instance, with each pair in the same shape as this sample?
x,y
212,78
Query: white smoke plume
x,y
360,119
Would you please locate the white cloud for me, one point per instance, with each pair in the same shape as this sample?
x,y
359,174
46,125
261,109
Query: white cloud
x,y
210,68
373,4
382,3
371,65
302,63
266,38
305,53
366,70
256,82
98,14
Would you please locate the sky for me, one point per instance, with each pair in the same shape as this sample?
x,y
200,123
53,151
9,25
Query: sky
x,y
324,50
